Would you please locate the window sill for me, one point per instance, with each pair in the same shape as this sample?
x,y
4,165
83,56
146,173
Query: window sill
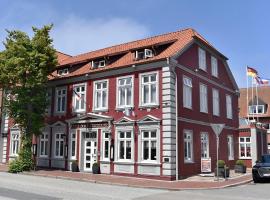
x,y
100,110
13,155
149,163
43,157
105,161
204,69
204,112
189,162
190,108
146,106
78,111
58,158
123,108
245,158
123,162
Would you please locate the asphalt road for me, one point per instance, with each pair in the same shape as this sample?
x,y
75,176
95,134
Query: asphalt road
x,y
25,187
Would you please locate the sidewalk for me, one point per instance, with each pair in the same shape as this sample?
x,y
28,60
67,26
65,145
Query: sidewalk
x,y
141,182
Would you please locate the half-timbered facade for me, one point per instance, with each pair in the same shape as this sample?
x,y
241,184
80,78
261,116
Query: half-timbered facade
x,y
142,108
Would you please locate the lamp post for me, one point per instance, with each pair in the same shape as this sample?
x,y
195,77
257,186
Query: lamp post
x,y
217,128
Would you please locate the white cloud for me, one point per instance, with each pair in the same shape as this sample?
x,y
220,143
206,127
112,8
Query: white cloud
x,y
77,35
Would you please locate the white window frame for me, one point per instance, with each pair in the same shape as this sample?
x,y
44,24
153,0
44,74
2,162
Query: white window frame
x,y
98,64
250,109
205,139
82,101
229,106
104,140
60,139
216,102
214,66
245,143
44,138
118,93
14,142
149,104
118,140
230,147
203,98
188,142
104,108
149,140
61,102
202,59
63,72
148,53
73,140
102,63
187,92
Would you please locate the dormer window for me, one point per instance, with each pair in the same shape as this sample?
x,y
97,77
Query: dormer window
x,y
143,54
98,64
62,72
256,109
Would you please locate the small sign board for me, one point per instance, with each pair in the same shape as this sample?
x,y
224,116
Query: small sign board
x,y
206,165
217,128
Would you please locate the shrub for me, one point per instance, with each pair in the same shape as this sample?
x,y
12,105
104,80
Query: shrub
x,y
95,168
25,156
221,163
24,162
240,162
15,166
95,165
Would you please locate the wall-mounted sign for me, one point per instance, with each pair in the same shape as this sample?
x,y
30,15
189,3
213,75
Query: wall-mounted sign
x,y
90,125
206,165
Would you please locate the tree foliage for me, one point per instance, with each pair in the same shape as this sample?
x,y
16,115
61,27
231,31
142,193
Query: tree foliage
x,y
25,65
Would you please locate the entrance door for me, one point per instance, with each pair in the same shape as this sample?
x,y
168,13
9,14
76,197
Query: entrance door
x,y
90,150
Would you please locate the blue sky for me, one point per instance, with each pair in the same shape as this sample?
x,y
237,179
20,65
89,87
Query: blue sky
x,y
240,29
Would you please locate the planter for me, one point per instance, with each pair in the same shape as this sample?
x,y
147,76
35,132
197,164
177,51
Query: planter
x,y
221,172
240,169
95,168
74,167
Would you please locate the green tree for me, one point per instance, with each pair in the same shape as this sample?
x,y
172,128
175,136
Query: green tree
x,y
25,65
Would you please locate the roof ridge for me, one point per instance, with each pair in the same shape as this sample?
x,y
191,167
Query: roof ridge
x,y
63,53
134,41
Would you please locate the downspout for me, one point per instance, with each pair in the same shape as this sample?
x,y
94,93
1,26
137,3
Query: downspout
x,y
176,122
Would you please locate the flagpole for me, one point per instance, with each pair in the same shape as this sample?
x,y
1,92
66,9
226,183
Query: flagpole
x,y
247,93
252,82
257,101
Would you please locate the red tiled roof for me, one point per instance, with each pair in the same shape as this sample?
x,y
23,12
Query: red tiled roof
x,y
179,40
61,57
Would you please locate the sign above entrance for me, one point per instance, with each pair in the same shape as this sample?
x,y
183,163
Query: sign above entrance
x,y
217,128
90,125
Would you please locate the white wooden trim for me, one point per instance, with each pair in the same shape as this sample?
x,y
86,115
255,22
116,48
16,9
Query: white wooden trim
x,y
141,104
132,92
94,95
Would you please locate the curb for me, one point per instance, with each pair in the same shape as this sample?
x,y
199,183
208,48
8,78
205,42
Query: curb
x,y
139,186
